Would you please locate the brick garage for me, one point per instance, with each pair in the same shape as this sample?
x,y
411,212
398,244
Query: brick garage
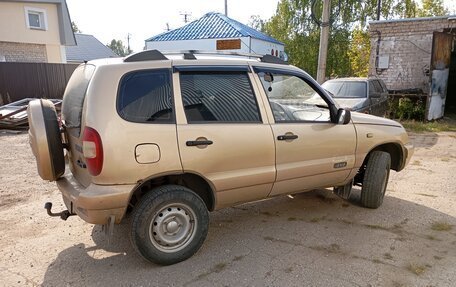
x,y
402,54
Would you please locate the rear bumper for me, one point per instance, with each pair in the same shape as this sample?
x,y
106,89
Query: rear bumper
x,y
95,203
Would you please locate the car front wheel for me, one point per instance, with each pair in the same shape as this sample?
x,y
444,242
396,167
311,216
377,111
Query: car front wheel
x,y
375,179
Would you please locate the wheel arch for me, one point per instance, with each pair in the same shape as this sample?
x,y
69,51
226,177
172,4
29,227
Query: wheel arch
x,y
195,182
394,150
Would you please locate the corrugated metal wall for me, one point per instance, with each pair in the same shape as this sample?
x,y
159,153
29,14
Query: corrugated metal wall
x,y
33,80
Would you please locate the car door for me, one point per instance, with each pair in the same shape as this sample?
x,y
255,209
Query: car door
x,y
311,151
222,135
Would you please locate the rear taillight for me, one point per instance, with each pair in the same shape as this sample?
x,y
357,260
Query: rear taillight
x,y
92,149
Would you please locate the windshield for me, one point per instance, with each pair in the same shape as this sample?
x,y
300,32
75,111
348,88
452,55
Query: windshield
x,y
346,89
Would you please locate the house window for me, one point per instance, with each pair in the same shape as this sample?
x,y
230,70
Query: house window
x,y
36,18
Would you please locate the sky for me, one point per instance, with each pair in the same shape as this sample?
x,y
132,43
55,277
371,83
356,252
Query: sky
x,y
113,19
142,19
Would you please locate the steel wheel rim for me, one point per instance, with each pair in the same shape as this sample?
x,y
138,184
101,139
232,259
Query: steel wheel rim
x,y
172,227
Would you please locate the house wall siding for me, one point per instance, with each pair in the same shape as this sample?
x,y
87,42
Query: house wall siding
x,y
13,24
409,46
22,52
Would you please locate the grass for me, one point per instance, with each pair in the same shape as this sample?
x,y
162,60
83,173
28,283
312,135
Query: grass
x,y
447,124
441,226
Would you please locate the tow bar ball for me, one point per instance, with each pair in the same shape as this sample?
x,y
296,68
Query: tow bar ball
x,y
63,214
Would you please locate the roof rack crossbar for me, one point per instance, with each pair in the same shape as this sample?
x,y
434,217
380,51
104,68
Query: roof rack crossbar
x,y
201,52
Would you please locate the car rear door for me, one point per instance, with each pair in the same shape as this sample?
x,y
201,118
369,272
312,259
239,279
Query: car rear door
x,y
311,151
222,131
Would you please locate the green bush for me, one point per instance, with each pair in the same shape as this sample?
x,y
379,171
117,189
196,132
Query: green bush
x,y
407,109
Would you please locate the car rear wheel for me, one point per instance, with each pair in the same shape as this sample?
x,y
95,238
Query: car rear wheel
x,y
375,179
45,139
169,225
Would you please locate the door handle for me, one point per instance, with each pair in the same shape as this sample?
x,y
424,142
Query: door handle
x,y
196,143
287,137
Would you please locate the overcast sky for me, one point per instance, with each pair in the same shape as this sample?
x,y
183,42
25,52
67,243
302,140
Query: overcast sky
x,y
108,19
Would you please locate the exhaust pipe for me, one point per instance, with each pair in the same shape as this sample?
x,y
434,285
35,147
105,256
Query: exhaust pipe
x,y
63,215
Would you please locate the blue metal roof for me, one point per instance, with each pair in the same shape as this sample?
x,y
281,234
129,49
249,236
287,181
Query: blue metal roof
x,y
212,26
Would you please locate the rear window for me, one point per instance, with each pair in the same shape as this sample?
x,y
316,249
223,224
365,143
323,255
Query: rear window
x,y
346,89
146,97
74,96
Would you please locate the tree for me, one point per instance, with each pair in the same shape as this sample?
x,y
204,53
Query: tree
x,y
359,52
296,24
431,8
75,28
256,22
118,47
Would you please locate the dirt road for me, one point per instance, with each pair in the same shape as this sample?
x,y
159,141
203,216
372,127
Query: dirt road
x,y
310,239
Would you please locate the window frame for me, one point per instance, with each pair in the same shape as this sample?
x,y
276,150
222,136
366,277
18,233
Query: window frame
x,y
332,107
234,69
172,121
42,15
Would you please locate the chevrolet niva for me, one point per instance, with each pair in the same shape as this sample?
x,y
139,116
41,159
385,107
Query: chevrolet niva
x,y
169,137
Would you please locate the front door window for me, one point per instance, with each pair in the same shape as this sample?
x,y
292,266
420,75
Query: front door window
x,y
292,99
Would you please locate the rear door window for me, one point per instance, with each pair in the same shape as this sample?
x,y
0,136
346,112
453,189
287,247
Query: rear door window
x,y
146,97
218,97
75,92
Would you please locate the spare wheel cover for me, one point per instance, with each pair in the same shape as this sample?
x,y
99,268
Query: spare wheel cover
x,y
45,139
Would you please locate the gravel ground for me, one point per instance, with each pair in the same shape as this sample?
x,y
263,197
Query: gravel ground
x,y
309,239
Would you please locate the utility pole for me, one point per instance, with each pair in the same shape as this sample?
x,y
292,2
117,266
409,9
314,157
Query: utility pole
x,y
379,6
324,35
128,43
226,8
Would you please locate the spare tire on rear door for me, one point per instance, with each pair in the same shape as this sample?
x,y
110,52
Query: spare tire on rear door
x,y
45,139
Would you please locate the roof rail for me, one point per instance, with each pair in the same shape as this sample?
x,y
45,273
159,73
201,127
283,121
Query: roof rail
x,y
148,55
155,55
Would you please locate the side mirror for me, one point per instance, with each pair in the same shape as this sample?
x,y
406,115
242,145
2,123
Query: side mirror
x,y
343,116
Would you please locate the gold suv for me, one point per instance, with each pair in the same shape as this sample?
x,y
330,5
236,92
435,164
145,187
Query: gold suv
x,y
170,137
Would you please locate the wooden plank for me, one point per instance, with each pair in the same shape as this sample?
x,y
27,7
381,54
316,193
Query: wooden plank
x,y
229,44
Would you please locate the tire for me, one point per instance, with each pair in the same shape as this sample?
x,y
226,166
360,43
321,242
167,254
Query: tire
x,y
169,225
375,179
45,139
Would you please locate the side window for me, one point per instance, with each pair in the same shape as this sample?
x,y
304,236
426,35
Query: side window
x,y
384,88
218,97
372,89
146,96
378,87
292,99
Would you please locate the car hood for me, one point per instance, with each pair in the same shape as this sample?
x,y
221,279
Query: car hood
x,y
360,118
350,103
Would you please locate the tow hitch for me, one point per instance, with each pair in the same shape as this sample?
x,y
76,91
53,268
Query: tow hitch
x,y
63,215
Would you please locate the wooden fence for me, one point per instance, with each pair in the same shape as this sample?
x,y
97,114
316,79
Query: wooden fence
x,y
33,80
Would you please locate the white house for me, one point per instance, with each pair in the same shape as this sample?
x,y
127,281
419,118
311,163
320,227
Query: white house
x,y
216,32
